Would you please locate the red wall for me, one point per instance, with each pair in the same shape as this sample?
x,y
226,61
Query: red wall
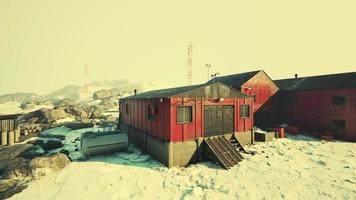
x,y
313,110
166,126
138,119
262,87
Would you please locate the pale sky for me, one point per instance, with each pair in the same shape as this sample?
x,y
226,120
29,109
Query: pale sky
x,y
44,44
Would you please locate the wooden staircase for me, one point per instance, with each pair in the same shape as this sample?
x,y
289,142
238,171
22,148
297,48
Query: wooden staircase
x,y
223,151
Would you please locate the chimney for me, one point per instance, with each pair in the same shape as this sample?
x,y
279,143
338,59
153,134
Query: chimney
x,y
135,91
296,75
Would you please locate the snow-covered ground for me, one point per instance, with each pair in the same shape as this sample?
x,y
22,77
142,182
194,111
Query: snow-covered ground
x,y
297,167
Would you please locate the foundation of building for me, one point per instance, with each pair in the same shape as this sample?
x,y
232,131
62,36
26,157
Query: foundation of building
x,y
176,153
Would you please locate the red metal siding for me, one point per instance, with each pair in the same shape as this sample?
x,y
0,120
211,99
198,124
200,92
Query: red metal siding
x,y
262,87
166,127
191,131
313,110
138,118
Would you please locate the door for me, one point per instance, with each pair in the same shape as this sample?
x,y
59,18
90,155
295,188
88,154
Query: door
x,y
218,120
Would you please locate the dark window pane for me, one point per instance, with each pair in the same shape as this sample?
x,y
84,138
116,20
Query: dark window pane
x,y
245,111
339,124
127,108
338,100
184,114
151,114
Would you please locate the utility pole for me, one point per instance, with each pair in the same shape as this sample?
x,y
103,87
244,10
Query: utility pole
x,y
190,63
208,67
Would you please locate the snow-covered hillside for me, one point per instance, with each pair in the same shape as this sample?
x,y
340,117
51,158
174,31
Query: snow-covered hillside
x,y
298,167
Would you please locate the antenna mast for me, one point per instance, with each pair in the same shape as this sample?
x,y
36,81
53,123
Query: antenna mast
x,y
190,63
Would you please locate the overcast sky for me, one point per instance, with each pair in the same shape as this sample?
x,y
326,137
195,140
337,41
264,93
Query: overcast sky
x,y
45,44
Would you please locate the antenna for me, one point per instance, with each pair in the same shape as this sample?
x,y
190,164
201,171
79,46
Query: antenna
x,y
214,76
190,62
208,67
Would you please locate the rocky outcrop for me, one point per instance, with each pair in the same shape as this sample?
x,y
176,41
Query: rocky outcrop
x,y
104,94
45,115
20,168
77,111
63,103
9,153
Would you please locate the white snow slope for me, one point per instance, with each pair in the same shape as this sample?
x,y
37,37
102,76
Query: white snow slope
x,y
298,167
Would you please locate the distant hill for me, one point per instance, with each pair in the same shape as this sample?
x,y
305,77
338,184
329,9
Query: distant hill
x,y
19,97
77,93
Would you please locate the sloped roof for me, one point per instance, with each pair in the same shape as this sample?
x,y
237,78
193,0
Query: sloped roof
x,y
207,90
6,117
332,81
235,80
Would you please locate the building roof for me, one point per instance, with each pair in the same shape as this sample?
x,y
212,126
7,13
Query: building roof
x,y
332,81
7,117
207,90
235,80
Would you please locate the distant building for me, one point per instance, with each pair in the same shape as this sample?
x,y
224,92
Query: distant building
x,y
256,84
170,124
318,104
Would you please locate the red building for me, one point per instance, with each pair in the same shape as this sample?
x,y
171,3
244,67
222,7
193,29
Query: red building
x,y
169,124
256,83
322,105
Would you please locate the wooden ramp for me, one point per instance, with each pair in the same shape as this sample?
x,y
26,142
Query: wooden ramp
x,y
223,151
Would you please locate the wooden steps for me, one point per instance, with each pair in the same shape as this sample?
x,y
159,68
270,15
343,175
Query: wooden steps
x,y
223,151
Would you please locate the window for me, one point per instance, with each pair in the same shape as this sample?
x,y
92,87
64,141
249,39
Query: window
x,y
127,108
151,112
184,114
245,111
339,124
254,98
338,100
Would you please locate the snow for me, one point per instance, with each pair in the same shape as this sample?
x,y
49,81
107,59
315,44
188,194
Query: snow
x,y
13,107
70,143
297,167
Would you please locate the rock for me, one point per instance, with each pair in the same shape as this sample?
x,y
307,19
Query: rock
x,y
10,152
104,94
20,168
27,106
45,115
36,142
42,166
106,105
17,168
110,118
33,152
63,103
77,111
8,188
65,151
52,144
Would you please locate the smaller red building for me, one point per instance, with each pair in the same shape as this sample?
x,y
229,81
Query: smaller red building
x,y
319,104
168,122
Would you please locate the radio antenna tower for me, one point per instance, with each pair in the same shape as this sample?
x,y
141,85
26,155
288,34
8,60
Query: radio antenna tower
x,y
190,62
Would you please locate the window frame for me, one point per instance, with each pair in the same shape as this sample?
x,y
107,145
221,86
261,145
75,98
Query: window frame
x,y
249,109
336,124
127,108
191,114
338,100
152,112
